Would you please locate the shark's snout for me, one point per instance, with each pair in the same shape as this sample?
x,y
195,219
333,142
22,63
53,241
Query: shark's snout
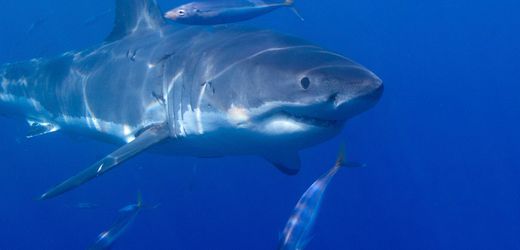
x,y
335,93
349,90
370,90
347,105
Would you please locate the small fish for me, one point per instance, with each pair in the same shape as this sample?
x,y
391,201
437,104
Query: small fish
x,y
296,231
86,205
224,11
126,217
35,25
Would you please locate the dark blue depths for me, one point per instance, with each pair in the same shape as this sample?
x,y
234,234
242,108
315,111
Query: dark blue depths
x,y
441,147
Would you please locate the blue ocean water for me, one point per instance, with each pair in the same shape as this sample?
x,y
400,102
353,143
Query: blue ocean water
x,y
441,146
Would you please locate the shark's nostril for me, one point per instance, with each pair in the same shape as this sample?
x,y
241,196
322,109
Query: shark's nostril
x,y
333,98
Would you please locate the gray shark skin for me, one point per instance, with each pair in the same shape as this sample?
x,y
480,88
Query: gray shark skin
x,y
204,92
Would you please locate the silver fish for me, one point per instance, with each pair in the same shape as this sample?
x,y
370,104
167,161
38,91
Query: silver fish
x,y
86,205
296,231
126,218
224,11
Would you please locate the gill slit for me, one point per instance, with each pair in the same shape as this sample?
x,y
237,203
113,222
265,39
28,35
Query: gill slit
x,y
166,93
198,112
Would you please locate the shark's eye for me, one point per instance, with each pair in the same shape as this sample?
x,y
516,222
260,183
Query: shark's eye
x,y
305,82
181,12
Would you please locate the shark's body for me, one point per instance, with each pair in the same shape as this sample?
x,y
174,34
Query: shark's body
x,y
191,91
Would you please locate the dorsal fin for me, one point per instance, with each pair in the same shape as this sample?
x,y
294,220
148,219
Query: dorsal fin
x,y
134,16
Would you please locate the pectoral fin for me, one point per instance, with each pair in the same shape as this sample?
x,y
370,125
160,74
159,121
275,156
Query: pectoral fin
x,y
287,162
149,137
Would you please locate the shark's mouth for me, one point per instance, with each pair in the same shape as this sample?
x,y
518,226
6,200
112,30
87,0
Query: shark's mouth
x,y
285,123
309,120
295,119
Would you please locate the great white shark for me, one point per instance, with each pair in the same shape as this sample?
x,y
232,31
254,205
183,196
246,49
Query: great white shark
x,y
198,91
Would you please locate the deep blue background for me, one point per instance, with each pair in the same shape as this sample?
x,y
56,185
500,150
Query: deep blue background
x,y
442,146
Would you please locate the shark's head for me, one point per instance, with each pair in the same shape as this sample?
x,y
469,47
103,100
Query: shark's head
x,y
293,95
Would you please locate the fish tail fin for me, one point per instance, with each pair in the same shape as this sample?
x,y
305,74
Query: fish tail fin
x,y
290,4
342,161
140,203
295,11
139,199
